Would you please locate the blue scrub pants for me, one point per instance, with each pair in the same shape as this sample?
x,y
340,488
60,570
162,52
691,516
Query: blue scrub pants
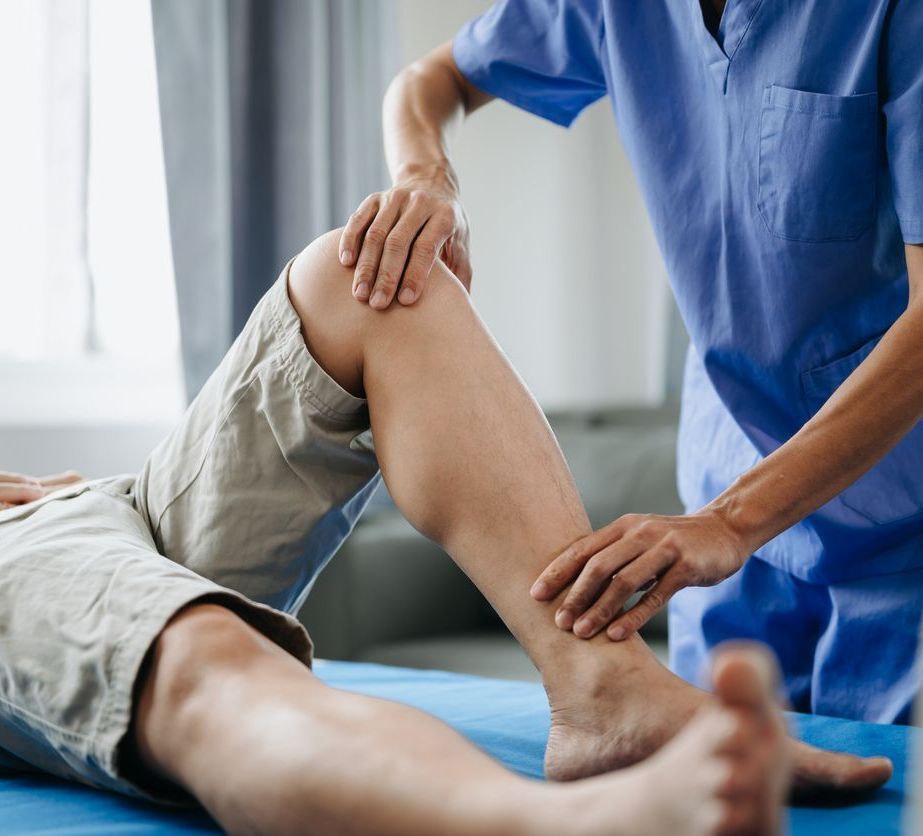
x,y
846,649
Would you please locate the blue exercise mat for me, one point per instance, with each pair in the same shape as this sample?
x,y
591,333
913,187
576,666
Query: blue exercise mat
x,y
507,719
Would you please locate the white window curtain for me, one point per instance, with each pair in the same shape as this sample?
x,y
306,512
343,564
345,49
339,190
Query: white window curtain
x,y
43,162
86,276
65,306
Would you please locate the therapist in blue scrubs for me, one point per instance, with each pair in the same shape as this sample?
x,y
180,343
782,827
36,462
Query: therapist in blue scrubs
x,y
779,149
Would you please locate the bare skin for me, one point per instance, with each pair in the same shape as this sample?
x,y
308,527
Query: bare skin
x,y
19,488
269,749
470,460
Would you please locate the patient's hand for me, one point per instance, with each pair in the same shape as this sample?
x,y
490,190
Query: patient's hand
x,y
646,553
18,489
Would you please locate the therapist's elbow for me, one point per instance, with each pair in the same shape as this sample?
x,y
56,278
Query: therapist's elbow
x,y
435,79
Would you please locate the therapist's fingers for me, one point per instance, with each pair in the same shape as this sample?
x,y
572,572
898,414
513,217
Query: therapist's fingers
x,y
567,565
373,244
654,600
601,572
397,251
423,255
456,256
623,585
351,237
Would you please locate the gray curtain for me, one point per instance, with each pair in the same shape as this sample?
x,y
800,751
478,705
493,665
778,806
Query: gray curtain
x,y
270,113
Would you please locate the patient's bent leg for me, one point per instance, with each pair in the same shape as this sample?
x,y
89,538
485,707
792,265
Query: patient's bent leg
x,y
472,463
268,748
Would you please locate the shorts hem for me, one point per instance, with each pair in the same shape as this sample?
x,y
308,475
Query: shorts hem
x,y
302,370
114,723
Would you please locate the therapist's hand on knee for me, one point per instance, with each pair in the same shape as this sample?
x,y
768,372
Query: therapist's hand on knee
x,y
395,237
653,554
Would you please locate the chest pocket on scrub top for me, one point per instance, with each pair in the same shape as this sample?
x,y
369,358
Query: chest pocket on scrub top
x,y
818,163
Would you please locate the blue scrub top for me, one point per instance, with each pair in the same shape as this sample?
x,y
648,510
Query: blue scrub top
x,y
782,166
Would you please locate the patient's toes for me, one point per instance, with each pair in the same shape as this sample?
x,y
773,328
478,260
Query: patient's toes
x,y
741,817
819,772
745,677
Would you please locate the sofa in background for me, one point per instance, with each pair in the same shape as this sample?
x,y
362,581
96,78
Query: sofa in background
x,y
392,596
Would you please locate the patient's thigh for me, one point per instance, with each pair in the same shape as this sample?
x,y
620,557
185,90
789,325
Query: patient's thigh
x,y
268,470
83,596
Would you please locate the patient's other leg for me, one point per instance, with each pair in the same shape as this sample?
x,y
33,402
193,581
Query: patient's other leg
x,y
268,748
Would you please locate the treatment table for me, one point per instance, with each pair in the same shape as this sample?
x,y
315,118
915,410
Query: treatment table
x,y
507,719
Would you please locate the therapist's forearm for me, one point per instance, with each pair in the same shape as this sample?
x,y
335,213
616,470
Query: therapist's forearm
x,y
877,405
423,105
395,236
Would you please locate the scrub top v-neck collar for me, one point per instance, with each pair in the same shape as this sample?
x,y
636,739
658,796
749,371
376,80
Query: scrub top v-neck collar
x,y
718,50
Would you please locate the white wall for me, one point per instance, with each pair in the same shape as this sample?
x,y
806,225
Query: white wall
x,y
96,416
566,271
93,450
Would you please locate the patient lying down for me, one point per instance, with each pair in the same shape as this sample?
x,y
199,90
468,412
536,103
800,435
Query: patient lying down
x,y
186,673
268,748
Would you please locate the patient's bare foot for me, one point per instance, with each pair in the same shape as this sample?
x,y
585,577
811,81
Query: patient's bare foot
x,y
602,721
725,773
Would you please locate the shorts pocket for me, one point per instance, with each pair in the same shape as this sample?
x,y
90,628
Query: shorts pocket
x,y
892,491
818,164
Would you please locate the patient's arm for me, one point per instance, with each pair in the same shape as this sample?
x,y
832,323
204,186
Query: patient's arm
x,y
18,489
472,463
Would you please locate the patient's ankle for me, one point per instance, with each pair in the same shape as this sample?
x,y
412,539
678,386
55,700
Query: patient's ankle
x,y
585,669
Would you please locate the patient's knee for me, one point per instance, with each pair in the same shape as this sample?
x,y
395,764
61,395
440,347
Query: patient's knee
x,y
317,280
331,319
340,331
198,640
203,675
174,690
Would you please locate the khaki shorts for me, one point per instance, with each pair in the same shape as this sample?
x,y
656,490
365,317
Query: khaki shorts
x,y
242,504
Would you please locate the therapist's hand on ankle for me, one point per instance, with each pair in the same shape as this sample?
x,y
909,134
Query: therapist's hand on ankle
x,y
395,237
656,555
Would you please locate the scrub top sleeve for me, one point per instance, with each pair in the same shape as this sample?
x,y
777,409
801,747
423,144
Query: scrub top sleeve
x,y
903,109
540,55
